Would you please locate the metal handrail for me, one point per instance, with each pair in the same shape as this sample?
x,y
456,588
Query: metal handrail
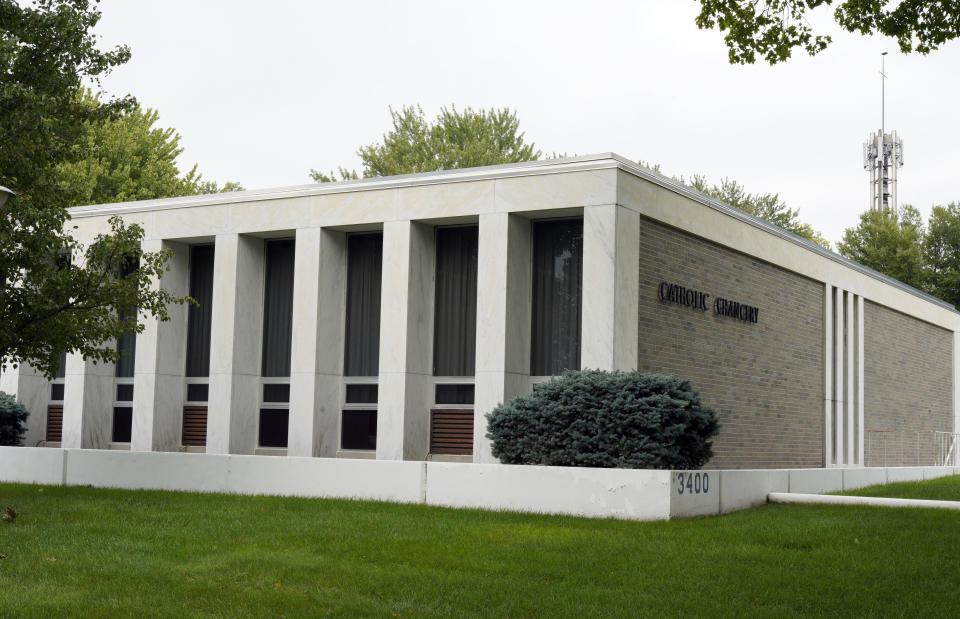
x,y
911,448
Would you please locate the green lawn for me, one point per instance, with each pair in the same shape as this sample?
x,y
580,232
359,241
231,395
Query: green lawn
x,y
85,551
943,489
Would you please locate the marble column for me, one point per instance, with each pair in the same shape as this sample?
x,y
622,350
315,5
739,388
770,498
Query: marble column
x,y
406,336
839,392
87,403
956,381
862,431
828,352
31,389
235,339
503,319
319,293
851,417
611,288
161,359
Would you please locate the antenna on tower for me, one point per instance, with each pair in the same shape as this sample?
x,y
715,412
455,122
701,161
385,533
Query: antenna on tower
x,y
883,90
883,154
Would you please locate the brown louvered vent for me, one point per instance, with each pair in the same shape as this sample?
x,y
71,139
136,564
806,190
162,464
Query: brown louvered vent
x,y
451,431
195,426
54,423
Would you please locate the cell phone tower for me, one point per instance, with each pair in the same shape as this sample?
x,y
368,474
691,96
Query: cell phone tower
x,y
882,155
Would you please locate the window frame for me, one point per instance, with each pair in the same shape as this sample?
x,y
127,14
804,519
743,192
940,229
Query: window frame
x,y
264,405
347,380
534,380
117,403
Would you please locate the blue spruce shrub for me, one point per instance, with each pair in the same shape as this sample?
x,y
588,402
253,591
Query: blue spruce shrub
x,y
13,416
606,419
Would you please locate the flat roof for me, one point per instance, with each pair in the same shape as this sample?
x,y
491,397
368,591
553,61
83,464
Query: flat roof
x,y
509,170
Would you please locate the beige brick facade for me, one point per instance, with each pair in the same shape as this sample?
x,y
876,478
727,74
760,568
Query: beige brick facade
x,y
766,379
908,386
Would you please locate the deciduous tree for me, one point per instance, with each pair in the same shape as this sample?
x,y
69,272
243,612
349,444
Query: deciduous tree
x,y
889,241
128,158
941,251
772,29
453,140
766,206
55,292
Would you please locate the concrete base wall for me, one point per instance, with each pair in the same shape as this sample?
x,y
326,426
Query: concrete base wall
x,y
32,465
629,494
604,493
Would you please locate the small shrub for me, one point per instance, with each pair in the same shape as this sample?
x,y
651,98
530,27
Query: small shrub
x,y
13,417
606,419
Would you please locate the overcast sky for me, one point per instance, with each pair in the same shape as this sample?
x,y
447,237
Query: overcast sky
x,y
263,91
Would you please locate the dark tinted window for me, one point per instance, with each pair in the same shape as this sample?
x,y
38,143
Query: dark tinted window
x,y
122,422
197,392
277,308
362,337
557,286
198,322
359,430
276,393
454,394
62,366
125,393
361,394
455,302
273,427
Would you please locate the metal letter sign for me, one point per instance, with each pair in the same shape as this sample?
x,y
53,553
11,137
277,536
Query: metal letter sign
x,y
675,293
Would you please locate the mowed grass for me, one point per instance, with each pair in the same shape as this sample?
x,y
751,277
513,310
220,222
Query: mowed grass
x,y
94,552
942,489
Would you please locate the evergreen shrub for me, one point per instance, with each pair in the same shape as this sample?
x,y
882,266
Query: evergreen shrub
x,y
606,419
13,417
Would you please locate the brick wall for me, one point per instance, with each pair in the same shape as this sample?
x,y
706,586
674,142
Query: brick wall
x,y
765,379
908,387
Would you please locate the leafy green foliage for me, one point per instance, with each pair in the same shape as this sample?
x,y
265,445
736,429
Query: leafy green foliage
x,y
941,252
13,417
773,28
81,304
889,241
127,158
453,140
57,293
766,206
606,419
47,50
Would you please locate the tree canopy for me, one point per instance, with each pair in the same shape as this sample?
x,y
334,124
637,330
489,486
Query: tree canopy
x,y
772,29
56,292
453,140
128,158
766,206
889,241
941,252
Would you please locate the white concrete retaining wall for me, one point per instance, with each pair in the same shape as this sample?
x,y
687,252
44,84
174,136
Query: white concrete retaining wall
x,y
605,493
395,481
32,465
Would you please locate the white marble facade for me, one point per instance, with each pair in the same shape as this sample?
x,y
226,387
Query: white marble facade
x,y
609,193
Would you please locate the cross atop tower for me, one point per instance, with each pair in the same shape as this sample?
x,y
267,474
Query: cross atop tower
x,y
883,154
